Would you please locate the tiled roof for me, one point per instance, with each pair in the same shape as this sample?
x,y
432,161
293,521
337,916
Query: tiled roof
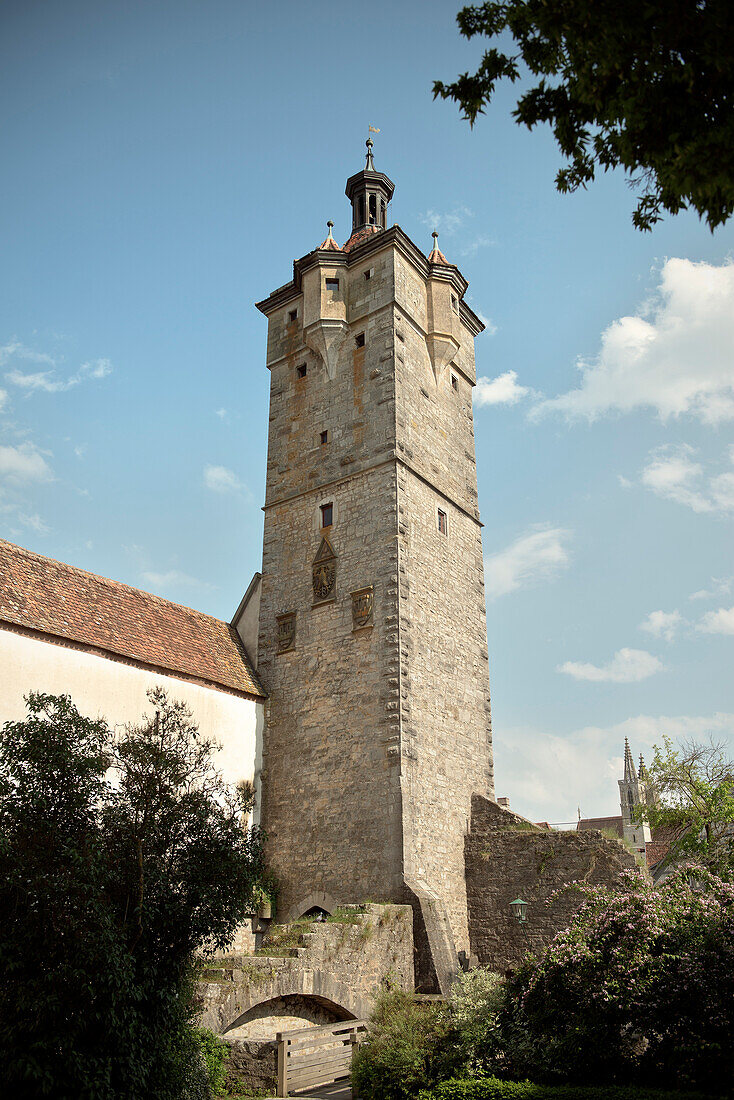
x,y
613,823
361,235
330,245
436,256
44,595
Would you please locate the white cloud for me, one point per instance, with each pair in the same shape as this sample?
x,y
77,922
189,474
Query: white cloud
x,y
34,523
16,350
537,555
3,398
475,244
449,221
673,356
502,390
222,480
173,578
663,624
548,776
24,463
48,381
718,622
720,586
673,473
223,414
627,666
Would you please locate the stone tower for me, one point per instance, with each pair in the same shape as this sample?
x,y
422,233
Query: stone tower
x,y
372,629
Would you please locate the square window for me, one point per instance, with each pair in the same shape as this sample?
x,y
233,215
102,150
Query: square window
x,y
292,315
443,522
359,340
332,284
327,515
324,437
301,370
454,382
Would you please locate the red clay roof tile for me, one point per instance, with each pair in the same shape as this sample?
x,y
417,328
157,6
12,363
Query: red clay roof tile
x,y
45,595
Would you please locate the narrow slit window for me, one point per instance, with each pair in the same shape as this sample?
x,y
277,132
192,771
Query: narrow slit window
x,y
332,284
454,304
443,522
327,515
373,209
454,383
301,370
292,315
359,340
368,273
400,337
324,437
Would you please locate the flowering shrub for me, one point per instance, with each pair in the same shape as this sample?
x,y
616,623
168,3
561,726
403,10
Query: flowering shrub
x,y
639,988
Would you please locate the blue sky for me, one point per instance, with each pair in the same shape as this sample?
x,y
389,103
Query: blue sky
x,y
165,161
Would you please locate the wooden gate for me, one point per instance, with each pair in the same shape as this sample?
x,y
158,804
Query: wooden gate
x,y
316,1055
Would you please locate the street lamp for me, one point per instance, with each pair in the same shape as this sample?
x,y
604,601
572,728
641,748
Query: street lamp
x,y
519,907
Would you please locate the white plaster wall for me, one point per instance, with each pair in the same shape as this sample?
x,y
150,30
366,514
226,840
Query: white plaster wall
x,y
108,689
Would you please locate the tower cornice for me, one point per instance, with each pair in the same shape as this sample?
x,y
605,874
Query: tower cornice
x,y
395,237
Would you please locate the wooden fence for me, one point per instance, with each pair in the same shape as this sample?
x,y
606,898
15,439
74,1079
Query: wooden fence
x,y
316,1055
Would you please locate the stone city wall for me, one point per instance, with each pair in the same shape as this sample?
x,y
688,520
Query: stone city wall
x,y
508,857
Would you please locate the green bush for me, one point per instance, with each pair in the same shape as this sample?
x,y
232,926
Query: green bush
x,y
397,1059
492,1088
638,990
468,1044
214,1051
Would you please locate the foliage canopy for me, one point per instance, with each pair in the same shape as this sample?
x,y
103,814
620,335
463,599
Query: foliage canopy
x,y
121,855
695,803
646,87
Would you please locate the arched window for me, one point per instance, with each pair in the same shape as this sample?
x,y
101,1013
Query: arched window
x,y
373,209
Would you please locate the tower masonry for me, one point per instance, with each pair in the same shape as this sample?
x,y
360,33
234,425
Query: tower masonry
x,y
372,625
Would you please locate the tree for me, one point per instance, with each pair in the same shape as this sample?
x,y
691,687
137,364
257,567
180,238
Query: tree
x,y
121,856
694,786
643,86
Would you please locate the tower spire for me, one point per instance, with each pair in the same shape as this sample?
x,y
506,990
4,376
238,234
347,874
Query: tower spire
x,y
370,166
629,764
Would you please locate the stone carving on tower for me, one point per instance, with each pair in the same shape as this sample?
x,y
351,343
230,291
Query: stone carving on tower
x,y
378,728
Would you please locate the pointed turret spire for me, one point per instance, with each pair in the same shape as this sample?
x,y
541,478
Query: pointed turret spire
x,y
330,244
370,166
629,764
642,771
436,256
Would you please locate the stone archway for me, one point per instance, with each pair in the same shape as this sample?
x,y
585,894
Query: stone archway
x,y
262,1021
317,899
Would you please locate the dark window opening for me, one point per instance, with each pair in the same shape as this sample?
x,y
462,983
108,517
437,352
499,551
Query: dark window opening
x,y
332,284
301,370
368,273
324,437
292,315
373,209
455,303
443,522
359,340
383,213
400,337
327,515
360,206
454,382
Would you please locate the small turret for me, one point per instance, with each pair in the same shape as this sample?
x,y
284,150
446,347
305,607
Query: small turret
x,y
369,193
